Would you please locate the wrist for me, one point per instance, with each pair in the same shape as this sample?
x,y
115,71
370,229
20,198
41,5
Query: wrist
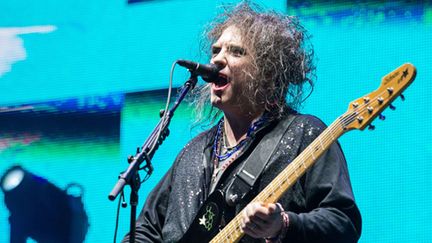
x,y
282,232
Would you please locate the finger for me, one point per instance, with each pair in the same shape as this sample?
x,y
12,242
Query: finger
x,y
252,208
251,214
258,222
253,230
267,213
250,223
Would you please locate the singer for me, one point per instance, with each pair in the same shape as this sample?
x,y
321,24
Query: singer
x,y
266,63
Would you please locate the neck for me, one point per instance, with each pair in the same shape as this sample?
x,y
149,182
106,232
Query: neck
x,y
236,126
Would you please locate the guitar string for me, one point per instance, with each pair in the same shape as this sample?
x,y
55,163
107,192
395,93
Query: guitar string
x,y
334,127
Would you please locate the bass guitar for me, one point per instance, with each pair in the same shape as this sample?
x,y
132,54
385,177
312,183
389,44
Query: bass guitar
x,y
360,113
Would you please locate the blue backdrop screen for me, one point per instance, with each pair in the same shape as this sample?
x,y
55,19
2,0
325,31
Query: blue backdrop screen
x,y
82,83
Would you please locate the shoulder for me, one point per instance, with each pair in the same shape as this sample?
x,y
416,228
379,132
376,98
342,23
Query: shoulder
x,y
198,144
306,124
202,139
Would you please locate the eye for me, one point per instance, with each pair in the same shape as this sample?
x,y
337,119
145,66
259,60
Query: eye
x,y
237,51
215,50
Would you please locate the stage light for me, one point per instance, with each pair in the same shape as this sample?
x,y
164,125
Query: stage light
x,y
42,211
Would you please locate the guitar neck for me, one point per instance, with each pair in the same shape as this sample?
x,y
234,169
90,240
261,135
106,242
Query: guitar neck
x,y
232,232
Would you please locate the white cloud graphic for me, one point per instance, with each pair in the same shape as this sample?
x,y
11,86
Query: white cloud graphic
x,y
11,45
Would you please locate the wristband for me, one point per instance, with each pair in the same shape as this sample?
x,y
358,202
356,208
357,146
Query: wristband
x,y
283,231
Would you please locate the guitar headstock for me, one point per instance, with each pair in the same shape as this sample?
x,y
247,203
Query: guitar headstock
x,y
363,110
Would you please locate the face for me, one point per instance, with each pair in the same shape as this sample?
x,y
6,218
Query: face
x,y
230,54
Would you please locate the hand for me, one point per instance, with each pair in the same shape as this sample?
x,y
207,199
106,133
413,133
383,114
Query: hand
x,y
262,220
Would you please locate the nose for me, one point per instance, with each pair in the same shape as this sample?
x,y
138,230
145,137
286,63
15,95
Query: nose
x,y
219,60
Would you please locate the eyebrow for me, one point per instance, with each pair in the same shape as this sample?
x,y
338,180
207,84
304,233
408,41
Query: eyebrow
x,y
215,48
229,45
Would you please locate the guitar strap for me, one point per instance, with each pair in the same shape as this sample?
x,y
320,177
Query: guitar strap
x,y
245,178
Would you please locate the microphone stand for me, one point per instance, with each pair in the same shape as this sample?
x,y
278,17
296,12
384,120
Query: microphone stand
x,y
131,176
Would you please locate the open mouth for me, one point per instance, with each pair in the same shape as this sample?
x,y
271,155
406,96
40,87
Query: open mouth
x,y
222,81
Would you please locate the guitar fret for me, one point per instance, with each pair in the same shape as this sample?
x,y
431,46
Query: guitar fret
x,y
304,165
313,154
322,146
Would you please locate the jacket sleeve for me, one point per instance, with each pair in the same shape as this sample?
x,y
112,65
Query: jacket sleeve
x,y
152,217
330,214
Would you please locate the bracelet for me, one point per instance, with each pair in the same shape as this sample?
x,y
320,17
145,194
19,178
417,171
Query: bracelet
x,y
283,231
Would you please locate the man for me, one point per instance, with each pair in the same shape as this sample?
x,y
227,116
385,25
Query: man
x,y
263,60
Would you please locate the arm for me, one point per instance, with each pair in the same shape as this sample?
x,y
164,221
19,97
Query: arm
x,y
321,206
331,213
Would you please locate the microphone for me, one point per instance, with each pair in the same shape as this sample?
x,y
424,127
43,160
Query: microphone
x,y
208,72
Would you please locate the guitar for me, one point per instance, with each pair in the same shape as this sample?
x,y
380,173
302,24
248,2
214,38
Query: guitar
x,y
360,113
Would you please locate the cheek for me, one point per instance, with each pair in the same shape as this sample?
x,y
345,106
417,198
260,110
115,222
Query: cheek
x,y
242,77
244,70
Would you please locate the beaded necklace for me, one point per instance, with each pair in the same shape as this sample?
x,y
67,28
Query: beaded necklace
x,y
233,152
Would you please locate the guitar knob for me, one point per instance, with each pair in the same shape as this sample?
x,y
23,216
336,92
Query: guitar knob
x,y
381,117
371,127
402,97
392,107
233,199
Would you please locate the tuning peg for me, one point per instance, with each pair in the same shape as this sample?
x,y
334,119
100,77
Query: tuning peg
x,y
380,100
392,107
371,127
161,113
390,90
381,117
402,97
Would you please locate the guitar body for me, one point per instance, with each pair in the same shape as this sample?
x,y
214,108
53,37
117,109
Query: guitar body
x,y
207,223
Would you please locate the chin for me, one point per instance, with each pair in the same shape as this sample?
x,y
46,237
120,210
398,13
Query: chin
x,y
217,105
